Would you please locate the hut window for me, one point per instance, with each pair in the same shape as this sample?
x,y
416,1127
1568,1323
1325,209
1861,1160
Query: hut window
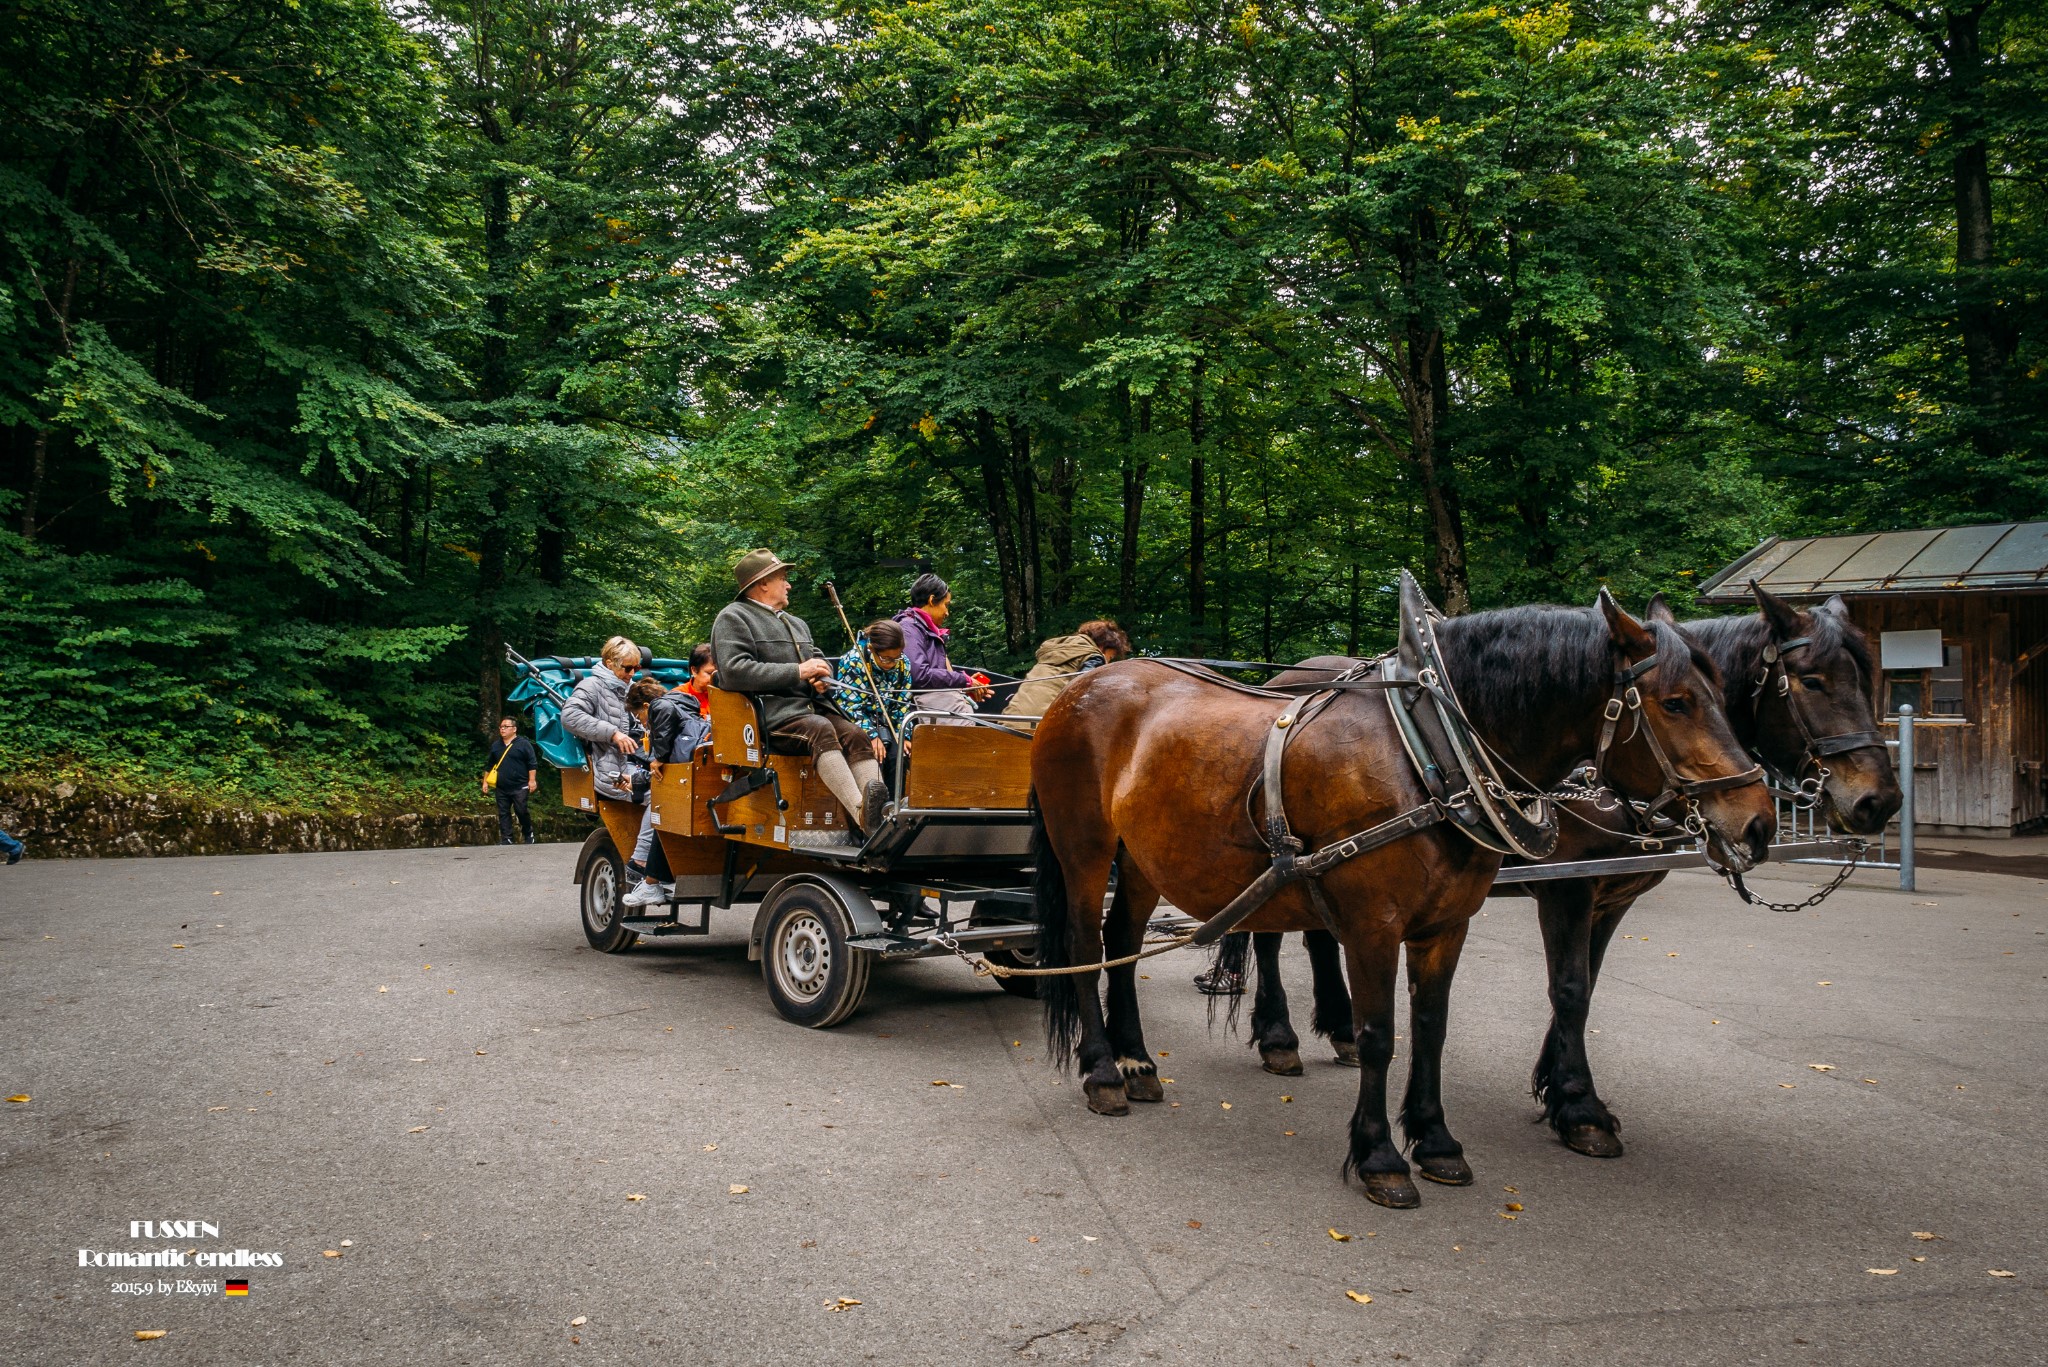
x,y
1934,692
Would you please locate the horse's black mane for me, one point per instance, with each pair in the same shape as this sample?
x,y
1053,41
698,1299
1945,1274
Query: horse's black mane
x,y
1737,644
1495,657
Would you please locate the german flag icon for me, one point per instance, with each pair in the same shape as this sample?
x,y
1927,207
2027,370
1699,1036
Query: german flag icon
x,y
238,1288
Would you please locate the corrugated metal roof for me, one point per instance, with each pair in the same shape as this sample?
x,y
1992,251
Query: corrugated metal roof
x,y
2008,556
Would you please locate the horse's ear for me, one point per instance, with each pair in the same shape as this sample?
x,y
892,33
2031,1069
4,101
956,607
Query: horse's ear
x,y
1836,607
1783,617
1632,636
1660,611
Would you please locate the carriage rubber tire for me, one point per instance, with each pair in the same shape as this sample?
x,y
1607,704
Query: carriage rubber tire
x,y
604,883
1008,958
814,977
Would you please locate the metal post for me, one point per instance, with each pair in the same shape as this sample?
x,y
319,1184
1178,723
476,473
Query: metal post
x,y
1906,797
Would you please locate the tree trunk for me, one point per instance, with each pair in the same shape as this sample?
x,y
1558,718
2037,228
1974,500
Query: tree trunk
x,y
1223,636
551,555
1987,339
1198,524
1428,395
1136,473
995,491
39,456
1028,541
1064,476
490,581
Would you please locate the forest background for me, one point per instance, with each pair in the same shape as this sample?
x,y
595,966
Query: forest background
x,y
344,343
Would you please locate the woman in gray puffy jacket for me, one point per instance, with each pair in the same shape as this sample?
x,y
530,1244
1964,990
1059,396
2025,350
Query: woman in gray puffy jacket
x,y
596,715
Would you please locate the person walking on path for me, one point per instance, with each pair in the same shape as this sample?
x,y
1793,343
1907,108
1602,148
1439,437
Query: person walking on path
x,y
514,775
761,649
11,847
940,687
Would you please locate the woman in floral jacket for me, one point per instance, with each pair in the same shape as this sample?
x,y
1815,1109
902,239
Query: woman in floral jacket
x,y
874,686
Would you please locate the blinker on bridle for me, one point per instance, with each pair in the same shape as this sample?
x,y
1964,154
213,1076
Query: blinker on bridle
x,y
1817,747
1677,788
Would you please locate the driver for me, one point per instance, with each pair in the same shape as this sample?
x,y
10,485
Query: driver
x,y
761,649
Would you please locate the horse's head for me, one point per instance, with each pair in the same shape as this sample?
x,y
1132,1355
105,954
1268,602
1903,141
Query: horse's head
x,y
1813,716
1672,745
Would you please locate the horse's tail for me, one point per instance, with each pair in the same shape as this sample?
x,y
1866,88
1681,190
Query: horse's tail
x,y
1049,908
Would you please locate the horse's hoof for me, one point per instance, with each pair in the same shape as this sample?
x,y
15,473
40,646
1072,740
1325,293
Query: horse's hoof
x,y
1285,1062
1107,1099
1392,1190
1448,1168
1143,1087
1593,1142
1347,1056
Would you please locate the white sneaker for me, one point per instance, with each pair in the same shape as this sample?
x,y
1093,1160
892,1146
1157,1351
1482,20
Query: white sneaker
x,y
649,894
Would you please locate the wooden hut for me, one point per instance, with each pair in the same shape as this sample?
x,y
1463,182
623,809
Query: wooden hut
x,y
1959,617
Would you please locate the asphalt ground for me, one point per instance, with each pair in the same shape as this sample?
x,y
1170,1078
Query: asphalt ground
x,y
413,1061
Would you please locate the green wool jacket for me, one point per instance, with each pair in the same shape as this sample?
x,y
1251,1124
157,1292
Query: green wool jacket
x,y
757,652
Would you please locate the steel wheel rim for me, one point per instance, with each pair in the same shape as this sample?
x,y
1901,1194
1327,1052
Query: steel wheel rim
x,y
803,956
602,895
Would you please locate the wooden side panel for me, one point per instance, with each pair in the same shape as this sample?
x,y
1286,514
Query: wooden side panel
x,y
693,856
579,791
735,737
622,820
969,766
674,797
811,804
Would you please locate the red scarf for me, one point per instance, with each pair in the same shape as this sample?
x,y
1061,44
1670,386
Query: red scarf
x,y
937,630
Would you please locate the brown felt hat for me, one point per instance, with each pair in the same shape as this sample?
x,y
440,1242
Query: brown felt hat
x,y
755,566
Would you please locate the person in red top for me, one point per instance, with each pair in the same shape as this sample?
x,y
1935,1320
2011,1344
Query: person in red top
x,y
940,687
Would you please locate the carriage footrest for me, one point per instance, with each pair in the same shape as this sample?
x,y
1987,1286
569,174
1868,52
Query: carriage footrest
x,y
889,946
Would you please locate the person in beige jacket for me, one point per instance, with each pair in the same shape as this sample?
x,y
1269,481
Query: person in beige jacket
x,y
1064,659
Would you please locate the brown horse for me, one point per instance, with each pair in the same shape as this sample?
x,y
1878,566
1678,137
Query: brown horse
x,y
1799,697
1148,771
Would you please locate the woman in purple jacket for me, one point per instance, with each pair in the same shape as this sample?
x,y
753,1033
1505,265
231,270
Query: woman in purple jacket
x,y
939,686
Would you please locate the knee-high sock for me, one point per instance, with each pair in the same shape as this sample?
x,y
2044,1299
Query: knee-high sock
x,y
866,771
832,768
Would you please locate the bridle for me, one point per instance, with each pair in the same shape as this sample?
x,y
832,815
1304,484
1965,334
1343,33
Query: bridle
x,y
1650,816
1807,790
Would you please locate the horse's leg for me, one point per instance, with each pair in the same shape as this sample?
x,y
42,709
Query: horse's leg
x,y
1563,1080
1124,933
1332,1018
1072,874
1373,1157
1279,1047
1431,965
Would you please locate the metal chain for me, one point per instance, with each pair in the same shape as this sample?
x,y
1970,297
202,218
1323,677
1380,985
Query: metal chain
x,y
984,969
1734,880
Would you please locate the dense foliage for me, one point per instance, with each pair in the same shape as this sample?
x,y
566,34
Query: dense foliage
x,y
347,343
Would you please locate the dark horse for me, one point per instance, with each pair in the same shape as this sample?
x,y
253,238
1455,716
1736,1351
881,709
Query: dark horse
x,y
1149,771
1808,718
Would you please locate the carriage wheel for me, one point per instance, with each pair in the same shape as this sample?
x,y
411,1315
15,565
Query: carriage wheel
x,y
604,882
814,978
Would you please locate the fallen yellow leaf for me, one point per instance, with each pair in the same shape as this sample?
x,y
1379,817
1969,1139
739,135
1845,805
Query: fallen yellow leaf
x,y
636,1196
1288,1133
1504,1215
145,1335
1789,1086
330,1253
842,1303
20,1098
480,1053
2000,1272
1287,1098
1871,1080
1226,1105
711,1148
1194,1224
940,1082
1825,982
736,1190
1166,1053
1882,1271
1924,1235
1514,1205
1919,1257
1822,1067
579,1321
419,1129
1358,1296
177,946
1340,1238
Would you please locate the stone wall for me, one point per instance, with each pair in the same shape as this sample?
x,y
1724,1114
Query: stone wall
x,y
65,821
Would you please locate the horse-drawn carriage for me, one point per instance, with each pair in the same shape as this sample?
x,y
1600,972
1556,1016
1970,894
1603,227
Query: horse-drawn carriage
x,y
744,828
